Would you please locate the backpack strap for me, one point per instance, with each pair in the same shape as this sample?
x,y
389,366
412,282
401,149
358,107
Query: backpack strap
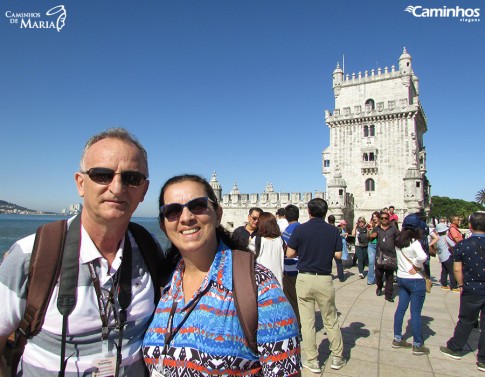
x,y
257,245
44,270
245,293
149,250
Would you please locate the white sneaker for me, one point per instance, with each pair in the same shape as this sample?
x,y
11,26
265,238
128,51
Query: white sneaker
x,y
338,362
312,367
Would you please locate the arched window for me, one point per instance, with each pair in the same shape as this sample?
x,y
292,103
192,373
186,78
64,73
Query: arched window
x,y
366,131
370,103
371,156
370,185
340,192
372,130
365,157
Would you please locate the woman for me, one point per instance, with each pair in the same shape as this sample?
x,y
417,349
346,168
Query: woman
x,y
268,245
195,330
371,249
412,287
361,240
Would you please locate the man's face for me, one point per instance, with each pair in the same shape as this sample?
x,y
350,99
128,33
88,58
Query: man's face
x,y
385,219
456,220
253,219
391,210
115,201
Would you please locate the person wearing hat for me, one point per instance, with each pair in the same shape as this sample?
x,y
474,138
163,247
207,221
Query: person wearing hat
x,y
444,257
412,286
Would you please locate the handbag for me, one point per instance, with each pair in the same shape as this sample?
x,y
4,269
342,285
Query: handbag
x,y
386,261
427,280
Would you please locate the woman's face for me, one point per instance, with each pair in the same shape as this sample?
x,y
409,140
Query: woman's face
x,y
191,233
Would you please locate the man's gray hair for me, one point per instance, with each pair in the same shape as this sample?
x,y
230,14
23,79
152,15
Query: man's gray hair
x,y
114,133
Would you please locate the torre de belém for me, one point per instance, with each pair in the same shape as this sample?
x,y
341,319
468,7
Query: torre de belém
x,y
376,157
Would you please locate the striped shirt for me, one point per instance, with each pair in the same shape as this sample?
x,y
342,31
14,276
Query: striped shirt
x,y
41,355
211,341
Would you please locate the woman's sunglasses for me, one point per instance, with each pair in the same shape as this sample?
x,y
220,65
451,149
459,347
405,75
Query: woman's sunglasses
x,y
197,206
104,176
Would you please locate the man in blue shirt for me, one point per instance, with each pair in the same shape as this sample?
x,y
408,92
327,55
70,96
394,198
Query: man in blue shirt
x,y
292,214
469,269
316,243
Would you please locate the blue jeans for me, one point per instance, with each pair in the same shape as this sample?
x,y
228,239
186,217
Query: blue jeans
x,y
371,251
414,291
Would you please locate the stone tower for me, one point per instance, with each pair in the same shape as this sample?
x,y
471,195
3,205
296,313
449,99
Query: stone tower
x,y
376,139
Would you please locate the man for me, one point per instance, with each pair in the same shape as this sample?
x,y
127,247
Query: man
x,y
281,219
290,272
244,233
113,181
393,218
469,270
338,262
386,236
316,243
454,235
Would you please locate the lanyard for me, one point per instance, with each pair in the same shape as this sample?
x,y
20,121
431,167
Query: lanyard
x,y
171,332
104,309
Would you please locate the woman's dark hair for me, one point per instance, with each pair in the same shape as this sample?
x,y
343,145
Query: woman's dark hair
x,y
267,226
406,236
222,233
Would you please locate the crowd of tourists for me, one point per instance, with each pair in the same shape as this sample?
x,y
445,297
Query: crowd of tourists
x,y
96,294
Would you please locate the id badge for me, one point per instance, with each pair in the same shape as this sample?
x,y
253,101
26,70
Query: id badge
x,y
156,373
104,366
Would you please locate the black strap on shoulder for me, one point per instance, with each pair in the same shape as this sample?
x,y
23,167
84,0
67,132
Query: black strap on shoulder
x,y
257,245
246,295
149,250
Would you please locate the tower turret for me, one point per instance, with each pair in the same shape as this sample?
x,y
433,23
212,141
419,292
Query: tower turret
x,y
337,79
216,186
405,60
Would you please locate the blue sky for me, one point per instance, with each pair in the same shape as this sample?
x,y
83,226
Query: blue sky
x,y
236,87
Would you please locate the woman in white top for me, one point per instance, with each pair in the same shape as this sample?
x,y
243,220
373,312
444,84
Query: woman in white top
x,y
271,252
412,287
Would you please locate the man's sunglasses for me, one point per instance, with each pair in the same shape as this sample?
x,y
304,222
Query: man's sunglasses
x,y
384,218
197,206
104,176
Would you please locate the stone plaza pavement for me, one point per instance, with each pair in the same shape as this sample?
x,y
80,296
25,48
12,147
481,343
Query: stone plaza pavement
x,y
366,321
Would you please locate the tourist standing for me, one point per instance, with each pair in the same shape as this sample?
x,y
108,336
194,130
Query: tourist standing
x,y
360,232
393,218
338,261
386,255
268,245
113,180
281,219
412,287
469,262
454,235
195,330
290,270
316,243
244,233
371,248
445,258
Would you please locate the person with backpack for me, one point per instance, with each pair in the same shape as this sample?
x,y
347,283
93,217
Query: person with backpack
x,y
198,328
453,236
102,303
361,234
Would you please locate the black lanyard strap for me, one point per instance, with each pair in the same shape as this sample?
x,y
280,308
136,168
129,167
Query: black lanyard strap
x,y
171,332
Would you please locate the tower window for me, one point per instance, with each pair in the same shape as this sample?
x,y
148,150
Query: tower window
x,y
372,130
340,192
370,185
326,163
365,157
418,184
366,131
371,156
370,103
